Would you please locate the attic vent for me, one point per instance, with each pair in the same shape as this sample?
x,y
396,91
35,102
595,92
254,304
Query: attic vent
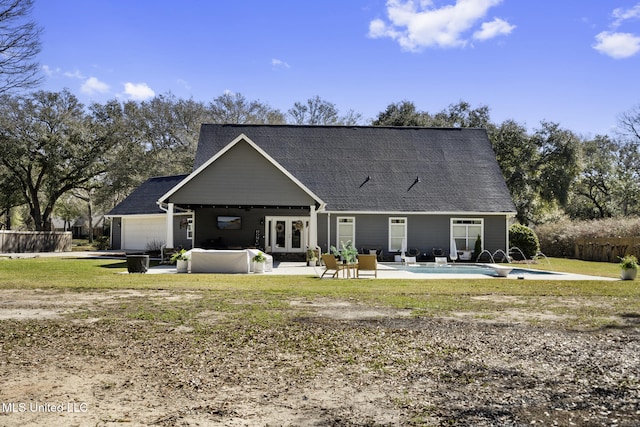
x,y
414,183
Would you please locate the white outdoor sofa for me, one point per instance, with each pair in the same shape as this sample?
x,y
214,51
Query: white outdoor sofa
x,y
225,261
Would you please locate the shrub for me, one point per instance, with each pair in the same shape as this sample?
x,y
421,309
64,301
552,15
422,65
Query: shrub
x,y
525,239
558,238
102,243
478,246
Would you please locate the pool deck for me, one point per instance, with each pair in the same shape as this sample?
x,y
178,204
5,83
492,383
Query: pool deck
x,y
385,270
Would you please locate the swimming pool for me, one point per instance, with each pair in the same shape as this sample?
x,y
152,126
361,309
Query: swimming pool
x,y
432,268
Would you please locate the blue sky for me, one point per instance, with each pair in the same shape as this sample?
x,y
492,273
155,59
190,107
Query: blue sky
x,y
574,62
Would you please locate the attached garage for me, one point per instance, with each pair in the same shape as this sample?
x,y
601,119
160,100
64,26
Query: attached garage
x,y
138,223
143,232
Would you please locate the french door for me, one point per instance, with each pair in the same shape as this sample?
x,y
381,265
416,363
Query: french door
x,y
286,233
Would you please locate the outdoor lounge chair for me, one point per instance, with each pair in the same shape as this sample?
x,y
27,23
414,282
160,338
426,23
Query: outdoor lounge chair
x,y
331,264
368,263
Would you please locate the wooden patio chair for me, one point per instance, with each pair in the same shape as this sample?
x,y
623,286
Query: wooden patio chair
x,y
368,263
331,264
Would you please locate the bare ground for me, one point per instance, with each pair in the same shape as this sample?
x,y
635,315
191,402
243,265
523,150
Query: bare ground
x,y
183,358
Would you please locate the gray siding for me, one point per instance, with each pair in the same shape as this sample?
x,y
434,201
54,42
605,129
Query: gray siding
x,y
241,176
424,232
180,239
116,233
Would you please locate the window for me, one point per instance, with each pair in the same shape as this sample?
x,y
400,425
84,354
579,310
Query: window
x,y
190,228
397,234
346,231
465,232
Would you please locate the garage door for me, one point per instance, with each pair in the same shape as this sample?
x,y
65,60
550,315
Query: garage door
x,y
139,233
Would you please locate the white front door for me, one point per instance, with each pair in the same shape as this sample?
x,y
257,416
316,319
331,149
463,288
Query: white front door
x,y
286,233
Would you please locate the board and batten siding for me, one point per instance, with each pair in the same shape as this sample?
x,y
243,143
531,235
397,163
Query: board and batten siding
x,y
241,176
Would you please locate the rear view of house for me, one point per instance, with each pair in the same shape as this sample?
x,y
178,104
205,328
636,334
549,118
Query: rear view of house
x,y
286,188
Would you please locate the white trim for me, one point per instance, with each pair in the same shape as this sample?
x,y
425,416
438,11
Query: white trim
x,y
270,233
241,137
312,231
481,224
153,215
353,227
169,225
405,222
404,213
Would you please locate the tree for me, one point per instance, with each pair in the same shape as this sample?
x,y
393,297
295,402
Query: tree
x,y
68,209
629,125
461,115
317,111
50,146
556,163
167,129
402,113
627,166
10,197
593,191
19,46
235,108
627,191
516,153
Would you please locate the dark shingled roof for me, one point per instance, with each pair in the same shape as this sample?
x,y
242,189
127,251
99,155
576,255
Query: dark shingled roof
x,y
143,199
390,169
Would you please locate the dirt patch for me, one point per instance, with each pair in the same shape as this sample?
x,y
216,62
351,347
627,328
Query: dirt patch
x,y
343,310
191,358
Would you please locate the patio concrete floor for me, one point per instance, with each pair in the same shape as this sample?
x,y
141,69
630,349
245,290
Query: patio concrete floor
x,y
388,271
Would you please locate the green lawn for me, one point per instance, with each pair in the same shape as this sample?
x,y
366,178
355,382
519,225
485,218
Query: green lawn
x,y
204,349
592,301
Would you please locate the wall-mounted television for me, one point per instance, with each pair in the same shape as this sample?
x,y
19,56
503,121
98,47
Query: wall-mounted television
x,y
229,222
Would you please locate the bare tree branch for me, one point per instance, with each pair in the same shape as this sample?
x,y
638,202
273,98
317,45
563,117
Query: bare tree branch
x,y
19,46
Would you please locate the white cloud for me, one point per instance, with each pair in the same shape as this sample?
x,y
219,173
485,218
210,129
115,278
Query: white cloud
x,y
138,91
277,63
617,45
74,74
492,29
416,26
622,15
50,71
92,85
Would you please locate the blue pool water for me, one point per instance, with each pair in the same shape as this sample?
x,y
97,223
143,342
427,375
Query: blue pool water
x,y
431,268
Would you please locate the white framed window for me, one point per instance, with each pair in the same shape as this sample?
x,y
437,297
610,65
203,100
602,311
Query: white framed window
x,y
397,234
465,232
190,228
345,230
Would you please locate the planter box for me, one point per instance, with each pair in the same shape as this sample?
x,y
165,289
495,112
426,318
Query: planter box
x,y
182,266
137,263
258,267
628,274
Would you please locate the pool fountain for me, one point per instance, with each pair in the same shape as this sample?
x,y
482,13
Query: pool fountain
x,y
541,255
505,257
518,250
488,253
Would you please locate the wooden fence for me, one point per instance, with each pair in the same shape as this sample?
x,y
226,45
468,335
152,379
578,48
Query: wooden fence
x,y
606,249
34,241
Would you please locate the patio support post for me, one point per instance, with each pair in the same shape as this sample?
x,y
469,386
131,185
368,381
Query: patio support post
x,y
313,227
169,242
